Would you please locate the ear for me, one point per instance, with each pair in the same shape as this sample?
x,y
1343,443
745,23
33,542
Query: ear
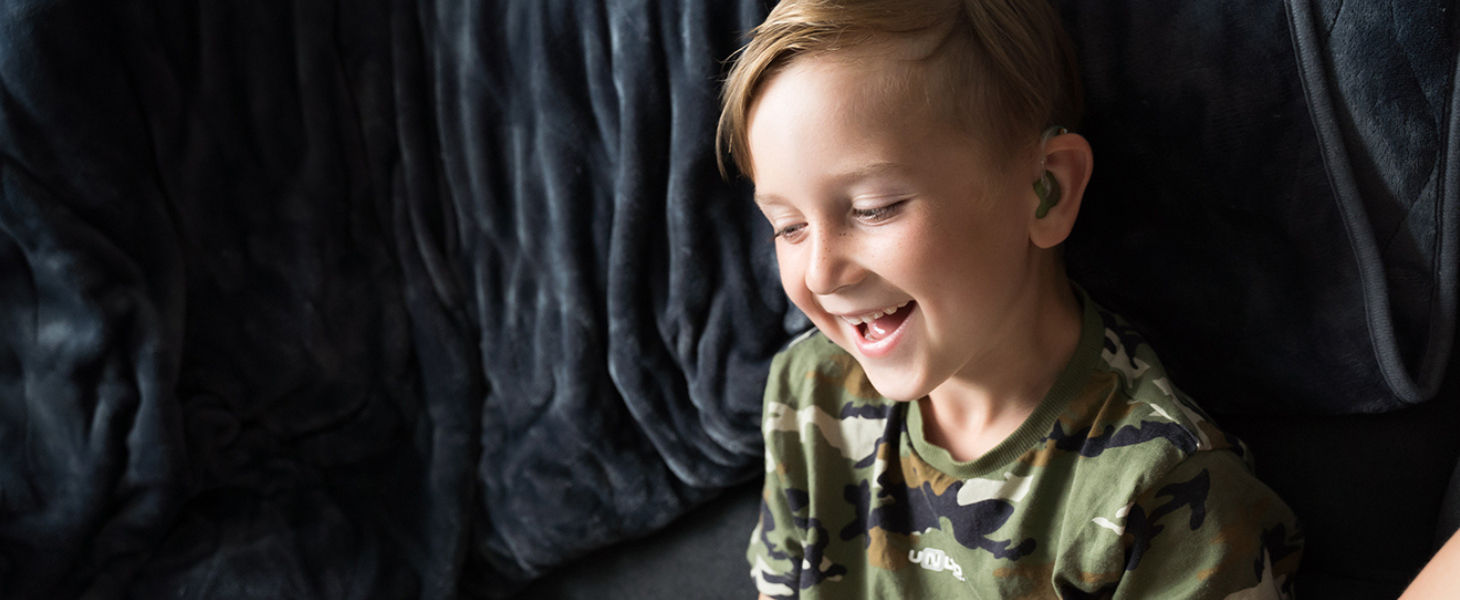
x,y
1068,158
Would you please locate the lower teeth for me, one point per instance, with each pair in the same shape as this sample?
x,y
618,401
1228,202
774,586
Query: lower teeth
x,y
867,333
872,332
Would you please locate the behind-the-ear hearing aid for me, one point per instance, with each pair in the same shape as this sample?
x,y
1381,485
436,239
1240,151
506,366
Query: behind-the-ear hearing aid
x,y
1047,188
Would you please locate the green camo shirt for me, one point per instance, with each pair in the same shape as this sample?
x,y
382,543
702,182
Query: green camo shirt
x,y
1116,486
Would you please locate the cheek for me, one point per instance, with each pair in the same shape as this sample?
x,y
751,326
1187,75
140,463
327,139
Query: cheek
x,y
915,249
793,281
790,273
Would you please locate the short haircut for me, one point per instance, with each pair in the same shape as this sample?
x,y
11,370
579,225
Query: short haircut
x,y
1007,65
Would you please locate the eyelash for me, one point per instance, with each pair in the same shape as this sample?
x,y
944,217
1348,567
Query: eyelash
x,y
880,213
785,232
875,215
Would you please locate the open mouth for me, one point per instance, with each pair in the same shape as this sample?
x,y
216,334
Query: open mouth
x,y
875,329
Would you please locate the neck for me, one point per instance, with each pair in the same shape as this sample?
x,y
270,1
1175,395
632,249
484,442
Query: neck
x,y
989,398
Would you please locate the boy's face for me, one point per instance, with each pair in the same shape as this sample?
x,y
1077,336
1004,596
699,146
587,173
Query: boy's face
x,y
881,205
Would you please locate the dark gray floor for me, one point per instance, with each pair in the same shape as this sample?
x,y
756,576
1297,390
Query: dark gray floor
x,y
702,555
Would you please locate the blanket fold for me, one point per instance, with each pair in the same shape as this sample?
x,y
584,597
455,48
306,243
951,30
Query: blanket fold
x,y
407,298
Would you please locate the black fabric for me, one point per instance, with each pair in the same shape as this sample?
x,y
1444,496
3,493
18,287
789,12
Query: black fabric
x,y
701,555
1394,171
1279,182
379,300
1449,522
1367,489
399,298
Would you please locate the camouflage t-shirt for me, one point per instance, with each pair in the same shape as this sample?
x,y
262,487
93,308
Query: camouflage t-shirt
x,y
1117,486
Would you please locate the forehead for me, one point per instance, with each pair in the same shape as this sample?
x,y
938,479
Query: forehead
x,y
873,84
839,115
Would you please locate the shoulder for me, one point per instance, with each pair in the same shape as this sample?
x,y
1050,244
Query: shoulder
x,y
814,370
1174,442
814,385
1234,533
806,353
1140,381
1130,427
1157,472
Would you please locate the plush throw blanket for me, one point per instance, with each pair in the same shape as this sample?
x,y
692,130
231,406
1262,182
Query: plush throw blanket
x,y
408,298
1275,195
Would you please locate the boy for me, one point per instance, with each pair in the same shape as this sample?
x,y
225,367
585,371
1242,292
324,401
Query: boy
x,y
964,422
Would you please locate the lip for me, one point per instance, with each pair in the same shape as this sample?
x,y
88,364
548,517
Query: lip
x,y
884,346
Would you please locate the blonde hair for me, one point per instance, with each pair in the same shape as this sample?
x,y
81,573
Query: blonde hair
x,y
1009,65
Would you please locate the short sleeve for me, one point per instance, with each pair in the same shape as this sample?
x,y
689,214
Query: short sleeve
x,y
775,552
1209,529
776,546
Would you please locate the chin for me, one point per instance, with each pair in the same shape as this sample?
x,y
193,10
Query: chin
x,y
889,381
896,388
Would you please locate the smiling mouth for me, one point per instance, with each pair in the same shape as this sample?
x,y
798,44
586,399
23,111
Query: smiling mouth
x,y
877,325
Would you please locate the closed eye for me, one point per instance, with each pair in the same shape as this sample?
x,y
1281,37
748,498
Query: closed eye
x,y
880,213
789,232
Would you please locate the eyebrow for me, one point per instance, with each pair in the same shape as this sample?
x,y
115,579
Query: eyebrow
x,y
764,199
860,173
873,169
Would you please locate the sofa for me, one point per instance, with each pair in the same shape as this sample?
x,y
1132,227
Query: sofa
x,y
426,299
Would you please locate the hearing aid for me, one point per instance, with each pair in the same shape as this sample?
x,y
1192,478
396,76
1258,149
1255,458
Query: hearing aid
x,y
1047,188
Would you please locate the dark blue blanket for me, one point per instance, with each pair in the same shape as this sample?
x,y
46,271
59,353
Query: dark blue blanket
x,y
398,298
1275,195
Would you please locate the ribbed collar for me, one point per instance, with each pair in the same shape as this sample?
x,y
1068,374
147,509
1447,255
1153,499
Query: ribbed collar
x,y
1070,382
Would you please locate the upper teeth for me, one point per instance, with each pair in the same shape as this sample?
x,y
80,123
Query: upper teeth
x,y
874,315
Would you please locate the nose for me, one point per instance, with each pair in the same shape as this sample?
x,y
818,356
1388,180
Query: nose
x,y
832,265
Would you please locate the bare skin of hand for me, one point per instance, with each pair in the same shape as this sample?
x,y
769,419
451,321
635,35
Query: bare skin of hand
x,y
1439,579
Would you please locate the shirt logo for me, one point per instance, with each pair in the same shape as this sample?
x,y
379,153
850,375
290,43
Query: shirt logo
x,y
935,560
